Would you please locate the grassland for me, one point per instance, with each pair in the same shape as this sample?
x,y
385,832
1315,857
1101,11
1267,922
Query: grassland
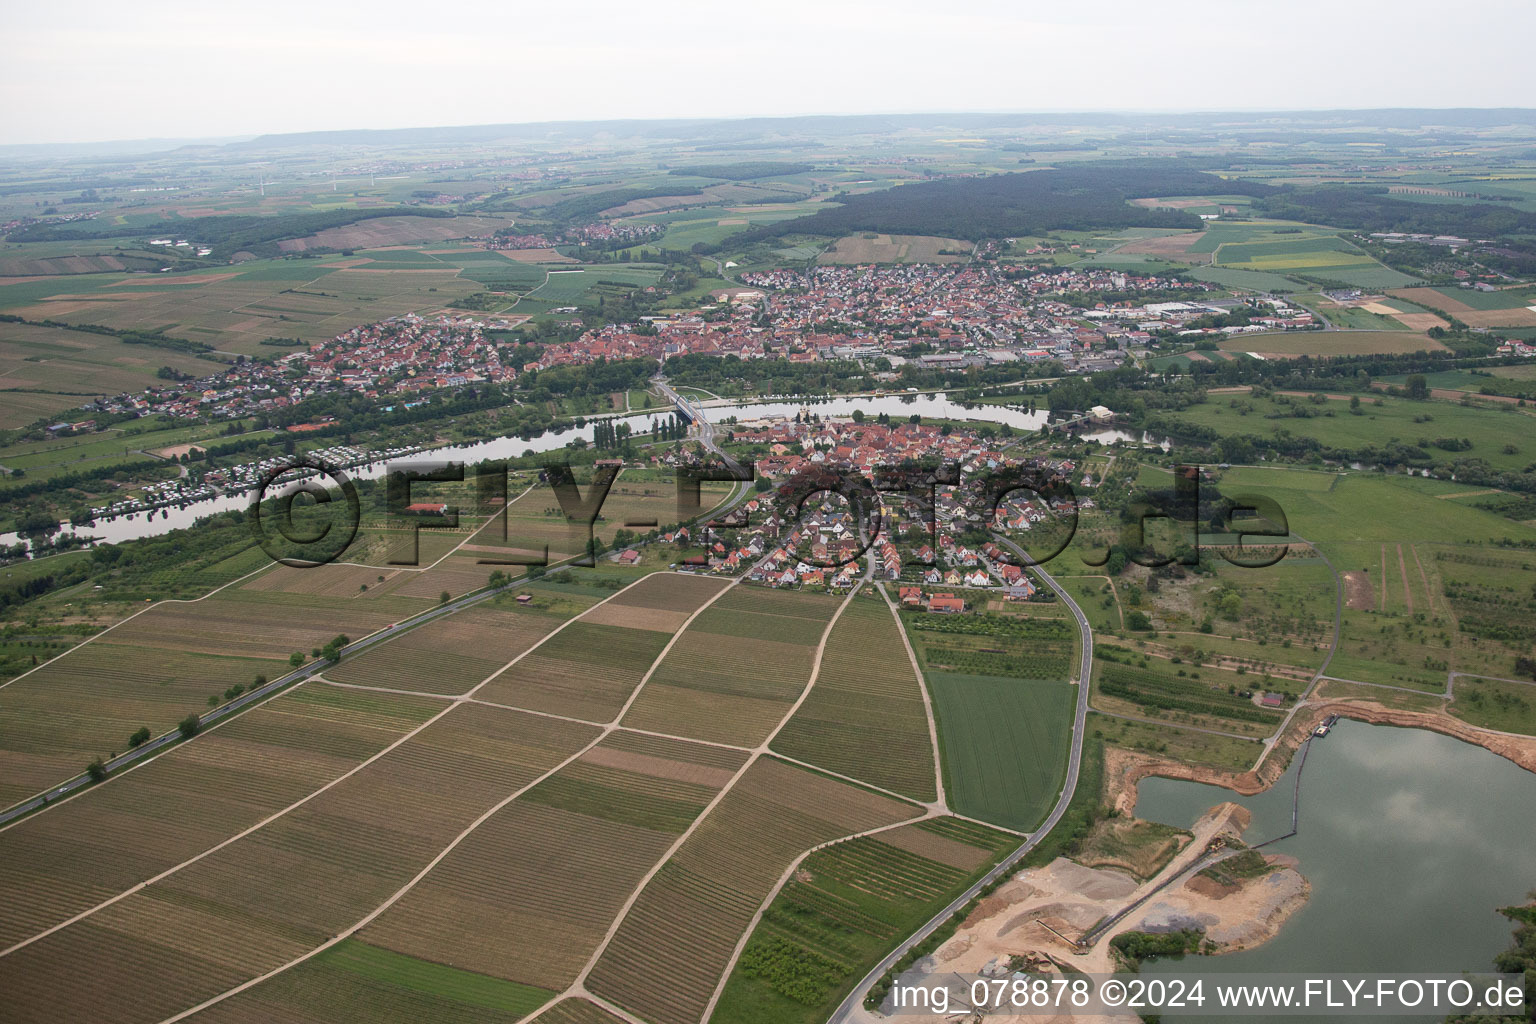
x,y
1332,343
1188,745
716,882
1402,420
865,717
844,908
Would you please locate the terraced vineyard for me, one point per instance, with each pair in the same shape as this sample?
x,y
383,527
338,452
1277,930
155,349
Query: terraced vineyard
x,y
734,673
190,799
846,906
865,717
717,880
285,889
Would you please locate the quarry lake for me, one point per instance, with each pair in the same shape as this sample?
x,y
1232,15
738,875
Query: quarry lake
x,y
1411,841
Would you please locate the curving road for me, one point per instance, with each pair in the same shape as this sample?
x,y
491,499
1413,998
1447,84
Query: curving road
x,y
855,999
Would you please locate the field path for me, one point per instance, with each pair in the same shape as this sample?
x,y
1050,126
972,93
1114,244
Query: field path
x,y
922,687
306,798
1429,595
1402,566
1382,597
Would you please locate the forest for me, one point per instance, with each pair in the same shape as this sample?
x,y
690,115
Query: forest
x,y
743,171
225,234
1080,198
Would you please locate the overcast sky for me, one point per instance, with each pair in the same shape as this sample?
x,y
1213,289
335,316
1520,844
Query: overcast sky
x,y
90,70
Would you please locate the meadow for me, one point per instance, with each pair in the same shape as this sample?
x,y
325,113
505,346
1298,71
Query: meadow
x,y
1333,424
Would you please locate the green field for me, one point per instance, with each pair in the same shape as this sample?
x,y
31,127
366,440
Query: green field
x,y
841,912
1507,707
1399,420
1004,743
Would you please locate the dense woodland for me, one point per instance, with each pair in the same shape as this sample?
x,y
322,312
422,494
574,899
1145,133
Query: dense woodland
x,y
1081,198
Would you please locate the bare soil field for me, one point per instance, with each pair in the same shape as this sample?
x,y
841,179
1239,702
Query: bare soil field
x,y
1519,317
868,247
1430,297
382,231
1169,246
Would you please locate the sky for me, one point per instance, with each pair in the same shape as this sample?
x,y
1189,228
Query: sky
x,y
96,70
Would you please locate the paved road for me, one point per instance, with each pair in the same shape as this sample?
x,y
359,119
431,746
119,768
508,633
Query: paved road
x,y
855,1000
260,693
706,429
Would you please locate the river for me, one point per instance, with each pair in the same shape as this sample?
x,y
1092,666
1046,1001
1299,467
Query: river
x,y
931,405
1411,840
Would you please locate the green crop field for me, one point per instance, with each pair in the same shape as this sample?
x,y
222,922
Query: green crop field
x,y
1004,743
849,904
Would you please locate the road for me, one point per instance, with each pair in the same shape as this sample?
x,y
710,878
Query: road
x,y
705,429
847,1008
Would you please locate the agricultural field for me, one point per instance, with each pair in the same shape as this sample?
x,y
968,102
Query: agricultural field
x,y
153,670
718,880
865,717
531,893
1319,256
189,799
280,891
46,370
870,247
845,906
592,666
735,671
1290,344
1004,744
1505,307
449,655
1203,697
355,981
1495,704
234,310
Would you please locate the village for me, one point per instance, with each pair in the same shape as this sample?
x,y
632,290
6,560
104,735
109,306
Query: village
x,y
928,548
